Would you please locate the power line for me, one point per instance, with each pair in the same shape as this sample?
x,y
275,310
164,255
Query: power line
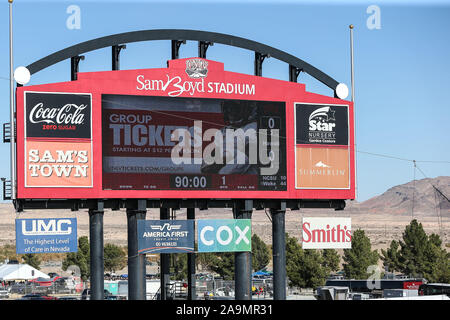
x,y
403,159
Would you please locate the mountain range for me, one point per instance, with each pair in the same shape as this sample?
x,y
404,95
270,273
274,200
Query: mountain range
x,y
420,197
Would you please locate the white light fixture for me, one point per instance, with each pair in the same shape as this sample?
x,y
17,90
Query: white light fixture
x,y
342,91
22,75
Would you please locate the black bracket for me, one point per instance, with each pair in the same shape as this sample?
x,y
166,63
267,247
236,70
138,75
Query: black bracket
x,y
203,47
176,44
74,62
115,63
6,132
294,73
7,189
259,59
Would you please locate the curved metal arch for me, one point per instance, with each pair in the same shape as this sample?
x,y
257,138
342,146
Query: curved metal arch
x,y
180,34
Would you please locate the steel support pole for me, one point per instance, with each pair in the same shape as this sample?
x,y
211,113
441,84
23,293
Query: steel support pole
x,y
202,48
279,253
12,106
243,260
164,265
74,67
136,262
115,56
192,295
175,48
96,251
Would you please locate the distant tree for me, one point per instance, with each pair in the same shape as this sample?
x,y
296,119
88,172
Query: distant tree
x,y
81,258
331,260
391,256
304,268
32,260
114,257
179,266
260,253
221,263
420,255
224,265
8,252
358,259
414,250
440,268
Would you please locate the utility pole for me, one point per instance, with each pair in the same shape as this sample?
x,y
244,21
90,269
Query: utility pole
x,y
12,112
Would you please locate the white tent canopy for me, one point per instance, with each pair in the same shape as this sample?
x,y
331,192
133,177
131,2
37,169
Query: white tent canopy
x,y
10,272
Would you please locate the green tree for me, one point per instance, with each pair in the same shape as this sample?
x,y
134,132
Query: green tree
x,y
419,255
224,265
304,268
81,258
260,253
114,257
294,255
414,250
359,257
32,260
391,256
8,252
331,260
221,263
440,268
179,266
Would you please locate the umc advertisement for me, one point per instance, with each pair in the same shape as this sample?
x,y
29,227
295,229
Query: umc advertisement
x,y
58,235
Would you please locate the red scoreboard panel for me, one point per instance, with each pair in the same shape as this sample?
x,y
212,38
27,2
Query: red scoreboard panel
x,y
191,130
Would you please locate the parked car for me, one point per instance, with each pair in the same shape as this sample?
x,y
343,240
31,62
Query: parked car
x,y
37,296
86,294
4,294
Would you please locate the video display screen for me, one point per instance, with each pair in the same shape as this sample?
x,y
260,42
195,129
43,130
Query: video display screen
x,y
161,143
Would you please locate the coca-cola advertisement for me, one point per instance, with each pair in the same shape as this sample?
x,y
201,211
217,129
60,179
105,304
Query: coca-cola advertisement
x,y
58,115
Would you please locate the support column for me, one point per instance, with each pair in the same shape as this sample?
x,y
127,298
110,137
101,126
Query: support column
x,y
96,251
115,56
279,252
74,62
243,260
192,295
136,262
164,265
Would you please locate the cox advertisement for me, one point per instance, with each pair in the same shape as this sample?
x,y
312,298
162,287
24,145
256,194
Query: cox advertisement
x,y
57,235
227,235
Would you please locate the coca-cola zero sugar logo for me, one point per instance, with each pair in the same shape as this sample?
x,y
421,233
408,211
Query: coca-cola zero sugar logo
x,y
58,115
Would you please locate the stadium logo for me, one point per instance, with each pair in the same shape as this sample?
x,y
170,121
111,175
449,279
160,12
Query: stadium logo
x,y
197,68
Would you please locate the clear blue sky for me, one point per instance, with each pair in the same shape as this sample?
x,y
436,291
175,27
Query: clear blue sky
x,y
401,70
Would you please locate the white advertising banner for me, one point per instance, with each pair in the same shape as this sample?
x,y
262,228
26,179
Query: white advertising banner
x,y
326,233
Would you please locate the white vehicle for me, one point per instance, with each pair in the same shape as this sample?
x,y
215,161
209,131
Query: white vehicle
x,y
4,294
